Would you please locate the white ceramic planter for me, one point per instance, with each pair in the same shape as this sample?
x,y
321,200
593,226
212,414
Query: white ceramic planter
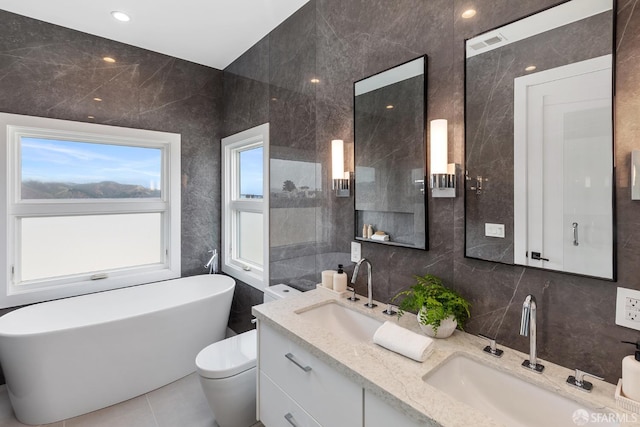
x,y
445,330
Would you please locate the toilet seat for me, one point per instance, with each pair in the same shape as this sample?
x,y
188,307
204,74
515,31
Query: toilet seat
x,y
228,357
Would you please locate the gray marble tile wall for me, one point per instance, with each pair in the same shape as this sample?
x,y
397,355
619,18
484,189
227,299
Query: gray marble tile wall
x,y
51,71
272,83
357,38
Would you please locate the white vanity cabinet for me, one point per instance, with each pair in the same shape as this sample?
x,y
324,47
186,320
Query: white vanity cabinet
x,y
279,410
378,413
297,389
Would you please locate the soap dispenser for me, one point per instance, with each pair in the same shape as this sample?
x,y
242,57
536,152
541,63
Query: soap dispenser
x,y
631,373
340,280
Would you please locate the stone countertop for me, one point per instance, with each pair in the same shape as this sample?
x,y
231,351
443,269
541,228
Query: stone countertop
x,y
398,380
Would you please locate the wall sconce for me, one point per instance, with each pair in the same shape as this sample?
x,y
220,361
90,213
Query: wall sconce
x,y
341,179
443,174
635,175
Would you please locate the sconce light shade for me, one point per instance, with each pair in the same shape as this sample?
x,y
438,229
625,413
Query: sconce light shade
x,y
337,159
443,178
635,175
439,146
341,179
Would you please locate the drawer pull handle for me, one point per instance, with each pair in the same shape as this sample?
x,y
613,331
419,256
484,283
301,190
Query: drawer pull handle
x,y
291,420
298,364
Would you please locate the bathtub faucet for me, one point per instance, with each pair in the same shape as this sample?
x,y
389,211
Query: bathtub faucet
x,y
212,265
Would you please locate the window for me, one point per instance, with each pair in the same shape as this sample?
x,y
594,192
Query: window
x,y
87,208
245,217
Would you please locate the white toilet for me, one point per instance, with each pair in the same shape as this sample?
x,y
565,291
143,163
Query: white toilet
x,y
227,372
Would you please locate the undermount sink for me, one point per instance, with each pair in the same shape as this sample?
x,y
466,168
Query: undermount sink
x,y
508,399
343,321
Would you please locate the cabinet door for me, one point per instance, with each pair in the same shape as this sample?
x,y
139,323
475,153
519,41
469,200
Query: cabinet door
x,y
378,413
279,410
326,395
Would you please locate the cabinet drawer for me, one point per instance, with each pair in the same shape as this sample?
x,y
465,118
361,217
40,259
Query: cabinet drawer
x,y
279,410
378,413
328,397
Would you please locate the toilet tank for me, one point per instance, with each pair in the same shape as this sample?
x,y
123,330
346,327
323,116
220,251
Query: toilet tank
x,y
279,291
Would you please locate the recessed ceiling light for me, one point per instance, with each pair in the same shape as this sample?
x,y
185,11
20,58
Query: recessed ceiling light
x,y
97,99
530,68
120,16
469,13
90,117
389,107
314,80
108,59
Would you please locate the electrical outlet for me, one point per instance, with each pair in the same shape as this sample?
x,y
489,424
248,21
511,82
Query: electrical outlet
x,y
633,316
628,308
632,304
356,251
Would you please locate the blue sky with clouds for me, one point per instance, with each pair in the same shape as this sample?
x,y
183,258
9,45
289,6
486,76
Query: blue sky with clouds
x,y
49,160
251,171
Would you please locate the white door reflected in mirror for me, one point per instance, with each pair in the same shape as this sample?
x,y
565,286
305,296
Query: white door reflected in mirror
x,y
563,169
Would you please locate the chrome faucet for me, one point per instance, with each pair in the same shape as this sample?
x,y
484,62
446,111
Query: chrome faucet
x,y
212,265
579,382
370,304
528,328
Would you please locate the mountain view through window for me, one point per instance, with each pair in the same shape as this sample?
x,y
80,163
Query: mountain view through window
x,y
57,169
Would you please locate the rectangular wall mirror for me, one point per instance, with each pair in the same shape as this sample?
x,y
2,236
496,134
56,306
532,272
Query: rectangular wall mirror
x,y
390,155
539,141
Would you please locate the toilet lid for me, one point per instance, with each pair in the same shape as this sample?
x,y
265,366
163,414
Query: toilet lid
x,y
228,357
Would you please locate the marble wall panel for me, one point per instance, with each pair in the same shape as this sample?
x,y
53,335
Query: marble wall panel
x,y
246,90
355,41
246,105
50,71
272,83
292,118
576,313
358,38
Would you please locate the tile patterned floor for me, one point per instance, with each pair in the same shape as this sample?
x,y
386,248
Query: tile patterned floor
x,y
179,404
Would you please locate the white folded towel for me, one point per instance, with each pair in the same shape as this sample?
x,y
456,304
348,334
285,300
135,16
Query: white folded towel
x,y
380,237
403,341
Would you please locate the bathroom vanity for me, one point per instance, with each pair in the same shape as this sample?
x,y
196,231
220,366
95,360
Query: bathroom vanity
x,y
315,373
299,388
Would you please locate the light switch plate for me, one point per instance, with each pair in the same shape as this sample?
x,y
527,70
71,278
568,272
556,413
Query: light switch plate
x,y
628,308
494,230
356,251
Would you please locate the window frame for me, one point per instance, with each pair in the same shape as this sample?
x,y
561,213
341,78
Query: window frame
x,y
12,128
256,276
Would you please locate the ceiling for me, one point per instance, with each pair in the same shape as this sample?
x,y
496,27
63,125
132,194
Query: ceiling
x,y
208,32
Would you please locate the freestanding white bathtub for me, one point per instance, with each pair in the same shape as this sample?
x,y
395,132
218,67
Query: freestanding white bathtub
x,y
72,356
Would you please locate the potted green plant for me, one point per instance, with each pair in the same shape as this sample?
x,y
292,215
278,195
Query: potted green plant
x,y
439,309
